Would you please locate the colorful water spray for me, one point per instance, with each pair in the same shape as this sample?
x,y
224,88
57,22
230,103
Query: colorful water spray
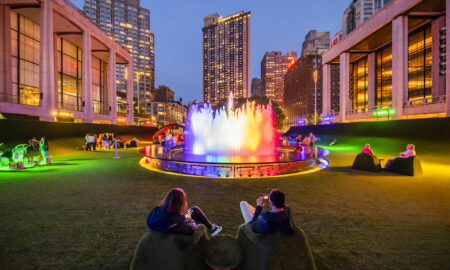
x,y
248,130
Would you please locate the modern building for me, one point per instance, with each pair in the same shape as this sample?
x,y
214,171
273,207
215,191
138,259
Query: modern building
x,y
273,68
164,94
226,56
301,87
167,113
129,23
256,88
358,12
56,65
393,66
315,42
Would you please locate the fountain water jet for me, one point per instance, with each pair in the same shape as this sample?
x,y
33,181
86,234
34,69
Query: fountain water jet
x,y
248,130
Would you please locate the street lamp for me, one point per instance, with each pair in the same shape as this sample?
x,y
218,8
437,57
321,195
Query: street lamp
x,y
315,89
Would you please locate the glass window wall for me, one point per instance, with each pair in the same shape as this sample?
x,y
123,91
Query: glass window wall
x,y
25,53
68,63
384,77
98,85
419,64
360,83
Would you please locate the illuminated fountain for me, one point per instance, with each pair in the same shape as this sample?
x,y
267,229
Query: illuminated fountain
x,y
232,142
249,130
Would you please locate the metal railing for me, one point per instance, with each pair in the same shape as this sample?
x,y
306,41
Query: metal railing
x,y
99,108
69,102
426,101
32,99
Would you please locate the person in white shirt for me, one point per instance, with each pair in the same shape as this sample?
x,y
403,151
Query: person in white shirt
x,y
410,152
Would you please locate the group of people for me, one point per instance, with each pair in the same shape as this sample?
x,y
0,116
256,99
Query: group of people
x,y
102,140
172,215
168,140
41,145
21,149
410,151
306,141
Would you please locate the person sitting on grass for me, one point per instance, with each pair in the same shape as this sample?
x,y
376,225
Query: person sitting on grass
x,y
367,149
265,222
173,216
410,152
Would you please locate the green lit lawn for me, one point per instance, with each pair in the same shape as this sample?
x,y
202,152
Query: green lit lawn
x,y
87,211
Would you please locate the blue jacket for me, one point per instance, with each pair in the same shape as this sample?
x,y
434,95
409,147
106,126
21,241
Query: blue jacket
x,y
160,220
269,222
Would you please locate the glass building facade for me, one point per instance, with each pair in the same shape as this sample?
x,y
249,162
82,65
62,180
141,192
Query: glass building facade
x,y
68,63
419,64
25,52
360,84
383,94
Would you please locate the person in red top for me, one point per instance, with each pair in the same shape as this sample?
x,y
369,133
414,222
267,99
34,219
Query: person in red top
x,y
367,150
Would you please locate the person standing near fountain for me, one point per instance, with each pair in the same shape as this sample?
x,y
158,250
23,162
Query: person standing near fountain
x,y
43,148
173,216
279,219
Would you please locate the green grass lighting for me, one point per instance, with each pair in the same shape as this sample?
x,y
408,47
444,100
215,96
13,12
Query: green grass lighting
x,y
384,112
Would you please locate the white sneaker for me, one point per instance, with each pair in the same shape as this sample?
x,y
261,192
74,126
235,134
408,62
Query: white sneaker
x,y
215,230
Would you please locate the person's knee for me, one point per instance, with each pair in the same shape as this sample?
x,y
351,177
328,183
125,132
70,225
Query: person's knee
x,y
195,209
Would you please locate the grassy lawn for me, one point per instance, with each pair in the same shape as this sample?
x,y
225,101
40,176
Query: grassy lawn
x,y
87,210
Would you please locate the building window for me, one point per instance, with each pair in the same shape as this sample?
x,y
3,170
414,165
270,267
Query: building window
x,y
360,82
98,85
25,46
419,64
68,63
384,76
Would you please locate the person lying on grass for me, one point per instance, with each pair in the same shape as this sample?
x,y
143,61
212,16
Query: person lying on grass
x,y
173,216
279,219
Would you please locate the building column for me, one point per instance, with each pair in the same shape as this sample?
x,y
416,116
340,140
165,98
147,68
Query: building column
x,y
47,61
447,64
112,92
130,92
86,76
344,85
399,64
371,80
438,86
326,89
6,93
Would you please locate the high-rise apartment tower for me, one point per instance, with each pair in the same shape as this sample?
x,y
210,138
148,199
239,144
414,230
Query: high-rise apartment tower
x,y
127,22
226,56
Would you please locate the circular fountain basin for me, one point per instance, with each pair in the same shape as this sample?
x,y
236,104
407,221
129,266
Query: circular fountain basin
x,y
285,162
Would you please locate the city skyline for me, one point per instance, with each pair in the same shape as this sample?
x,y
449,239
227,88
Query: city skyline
x,y
178,61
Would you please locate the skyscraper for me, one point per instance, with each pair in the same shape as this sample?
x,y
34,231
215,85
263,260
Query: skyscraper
x,y
128,23
358,12
316,42
274,66
226,56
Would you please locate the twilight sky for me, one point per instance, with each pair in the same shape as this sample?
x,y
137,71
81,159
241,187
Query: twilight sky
x,y
274,26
